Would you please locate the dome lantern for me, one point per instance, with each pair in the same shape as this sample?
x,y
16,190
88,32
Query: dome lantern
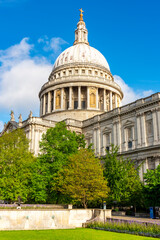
x,y
81,33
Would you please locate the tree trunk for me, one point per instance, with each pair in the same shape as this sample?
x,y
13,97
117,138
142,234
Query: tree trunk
x,y
84,203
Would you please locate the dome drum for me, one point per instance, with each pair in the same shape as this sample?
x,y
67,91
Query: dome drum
x,y
81,98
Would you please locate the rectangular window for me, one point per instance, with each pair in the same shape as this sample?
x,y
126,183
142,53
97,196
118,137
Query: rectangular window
x,y
67,104
129,133
130,144
83,104
75,104
149,128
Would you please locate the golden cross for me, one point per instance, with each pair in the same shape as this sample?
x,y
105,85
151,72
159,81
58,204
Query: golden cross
x,y
81,14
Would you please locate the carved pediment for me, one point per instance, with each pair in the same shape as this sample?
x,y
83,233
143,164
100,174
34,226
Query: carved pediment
x,y
107,130
88,135
9,127
129,123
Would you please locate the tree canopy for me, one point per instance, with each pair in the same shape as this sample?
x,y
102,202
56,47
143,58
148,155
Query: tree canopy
x,y
123,179
56,146
152,187
82,178
15,166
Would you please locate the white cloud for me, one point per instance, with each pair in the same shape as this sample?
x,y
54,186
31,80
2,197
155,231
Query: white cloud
x,y
21,77
53,44
130,95
15,54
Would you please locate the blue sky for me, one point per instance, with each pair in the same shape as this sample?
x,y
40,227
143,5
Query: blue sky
x,y
34,32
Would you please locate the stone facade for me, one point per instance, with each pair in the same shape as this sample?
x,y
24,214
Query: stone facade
x,y
135,128
81,91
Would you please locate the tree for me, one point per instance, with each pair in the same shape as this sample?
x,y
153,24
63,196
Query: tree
x,y
123,179
151,187
82,178
15,166
56,146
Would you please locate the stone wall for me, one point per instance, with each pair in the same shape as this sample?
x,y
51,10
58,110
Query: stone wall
x,y
48,219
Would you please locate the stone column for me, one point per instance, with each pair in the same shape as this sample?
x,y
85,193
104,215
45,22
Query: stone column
x,y
143,128
104,99
70,98
158,118
110,100
54,102
138,131
119,135
115,100
88,100
133,138
44,104
79,97
36,142
32,137
125,139
155,136
94,140
98,140
97,99
114,133
62,98
145,166
104,143
41,107
49,102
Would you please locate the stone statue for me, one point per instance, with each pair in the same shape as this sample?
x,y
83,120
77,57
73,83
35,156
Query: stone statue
x,y
12,116
20,118
30,115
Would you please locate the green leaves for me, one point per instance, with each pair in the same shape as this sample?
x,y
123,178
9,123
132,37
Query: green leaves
x,y
15,166
122,177
82,178
152,187
56,146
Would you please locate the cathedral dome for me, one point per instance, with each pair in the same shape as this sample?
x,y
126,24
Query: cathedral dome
x,y
81,53
80,85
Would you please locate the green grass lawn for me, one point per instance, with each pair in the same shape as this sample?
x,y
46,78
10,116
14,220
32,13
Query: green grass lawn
x,y
68,234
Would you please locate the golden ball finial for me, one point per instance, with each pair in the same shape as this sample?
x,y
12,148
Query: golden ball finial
x,y
81,14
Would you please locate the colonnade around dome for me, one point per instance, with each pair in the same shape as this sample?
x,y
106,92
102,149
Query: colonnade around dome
x,y
78,98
